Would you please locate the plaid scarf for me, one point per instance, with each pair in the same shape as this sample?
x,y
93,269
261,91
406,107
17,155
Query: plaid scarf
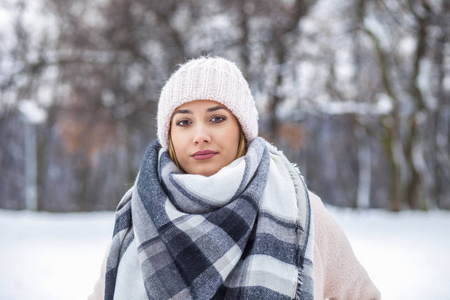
x,y
242,233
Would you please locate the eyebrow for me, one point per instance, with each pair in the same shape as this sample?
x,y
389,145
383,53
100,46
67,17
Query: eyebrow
x,y
182,111
187,111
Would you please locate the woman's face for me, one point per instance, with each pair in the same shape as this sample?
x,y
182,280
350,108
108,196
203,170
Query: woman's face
x,y
205,136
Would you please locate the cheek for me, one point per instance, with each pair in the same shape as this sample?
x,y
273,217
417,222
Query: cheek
x,y
235,138
231,136
178,140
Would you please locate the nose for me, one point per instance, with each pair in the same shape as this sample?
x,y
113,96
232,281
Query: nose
x,y
201,135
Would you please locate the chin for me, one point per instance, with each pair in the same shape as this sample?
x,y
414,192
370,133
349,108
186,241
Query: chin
x,y
205,171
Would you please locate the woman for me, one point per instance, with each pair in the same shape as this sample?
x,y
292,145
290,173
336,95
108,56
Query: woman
x,y
218,213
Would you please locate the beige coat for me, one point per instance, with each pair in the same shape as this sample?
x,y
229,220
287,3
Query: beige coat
x,y
337,272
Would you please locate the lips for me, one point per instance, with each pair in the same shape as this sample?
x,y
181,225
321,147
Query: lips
x,y
205,154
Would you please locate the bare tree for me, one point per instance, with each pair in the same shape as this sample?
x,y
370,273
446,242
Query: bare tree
x,y
393,57
355,92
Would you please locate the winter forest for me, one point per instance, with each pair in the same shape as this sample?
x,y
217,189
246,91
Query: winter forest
x,y
356,92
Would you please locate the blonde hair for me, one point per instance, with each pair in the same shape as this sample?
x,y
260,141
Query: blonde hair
x,y
242,149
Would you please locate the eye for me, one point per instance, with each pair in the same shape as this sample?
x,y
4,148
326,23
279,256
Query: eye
x,y
183,123
217,119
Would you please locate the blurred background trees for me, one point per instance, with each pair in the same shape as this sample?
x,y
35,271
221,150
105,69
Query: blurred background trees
x,y
355,93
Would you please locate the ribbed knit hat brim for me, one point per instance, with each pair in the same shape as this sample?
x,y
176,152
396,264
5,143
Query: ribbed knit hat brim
x,y
208,78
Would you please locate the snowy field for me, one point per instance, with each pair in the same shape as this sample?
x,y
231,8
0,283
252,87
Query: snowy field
x,y
47,256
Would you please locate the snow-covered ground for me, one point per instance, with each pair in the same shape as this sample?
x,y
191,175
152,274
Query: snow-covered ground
x,y
58,256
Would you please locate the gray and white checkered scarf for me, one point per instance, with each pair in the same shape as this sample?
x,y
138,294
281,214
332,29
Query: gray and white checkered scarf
x,y
245,232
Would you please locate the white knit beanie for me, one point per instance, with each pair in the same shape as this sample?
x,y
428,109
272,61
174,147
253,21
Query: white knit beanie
x,y
208,78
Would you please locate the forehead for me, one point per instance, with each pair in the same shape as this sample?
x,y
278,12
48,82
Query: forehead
x,y
200,105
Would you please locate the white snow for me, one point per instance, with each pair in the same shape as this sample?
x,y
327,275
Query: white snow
x,y
407,45
406,254
51,256
58,256
32,112
382,106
